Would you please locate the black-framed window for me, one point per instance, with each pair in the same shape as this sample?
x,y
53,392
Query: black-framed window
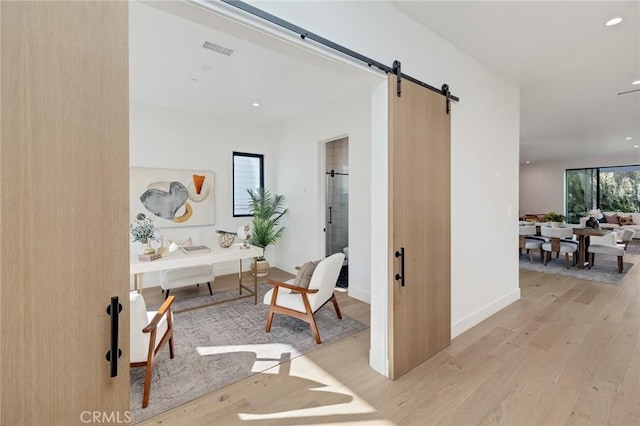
x,y
248,173
610,189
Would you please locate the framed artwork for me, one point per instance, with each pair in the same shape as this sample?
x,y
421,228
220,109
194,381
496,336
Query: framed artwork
x,y
172,198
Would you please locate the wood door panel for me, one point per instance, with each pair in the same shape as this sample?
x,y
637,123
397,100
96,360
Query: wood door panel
x,y
64,183
419,164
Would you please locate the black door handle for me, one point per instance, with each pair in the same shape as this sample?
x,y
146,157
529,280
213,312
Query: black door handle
x,y
113,310
400,276
329,215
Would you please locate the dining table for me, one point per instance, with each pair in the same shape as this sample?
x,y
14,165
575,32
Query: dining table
x,y
584,235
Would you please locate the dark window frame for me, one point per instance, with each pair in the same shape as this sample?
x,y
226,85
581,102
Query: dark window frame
x,y
233,176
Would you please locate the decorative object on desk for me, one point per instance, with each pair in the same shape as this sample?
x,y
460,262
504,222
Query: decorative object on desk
x,y
149,257
162,250
244,232
556,219
143,231
175,197
226,238
267,211
195,249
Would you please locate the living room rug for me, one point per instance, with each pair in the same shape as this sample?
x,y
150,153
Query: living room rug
x,y
222,344
605,269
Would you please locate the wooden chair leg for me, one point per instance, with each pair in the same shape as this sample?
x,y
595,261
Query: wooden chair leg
x,y
592,257
274,297
210,291
314,327
147,384
566,260
530,256
310,319
335,305
541,253
544,258
619,264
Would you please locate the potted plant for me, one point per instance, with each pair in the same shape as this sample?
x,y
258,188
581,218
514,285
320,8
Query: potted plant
x,y
267,210
143,232
556,219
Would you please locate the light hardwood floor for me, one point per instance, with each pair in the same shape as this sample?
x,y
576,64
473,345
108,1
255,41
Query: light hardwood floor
x,y
566,353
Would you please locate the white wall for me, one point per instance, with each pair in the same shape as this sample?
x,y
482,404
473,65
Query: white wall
x,y
542,184
300,178
162,137
485,139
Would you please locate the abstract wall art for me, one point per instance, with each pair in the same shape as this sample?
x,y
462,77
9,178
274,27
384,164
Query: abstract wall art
x,y
173,198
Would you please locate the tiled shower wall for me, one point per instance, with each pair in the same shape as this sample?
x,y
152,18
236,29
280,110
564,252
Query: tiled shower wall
x,y
337,196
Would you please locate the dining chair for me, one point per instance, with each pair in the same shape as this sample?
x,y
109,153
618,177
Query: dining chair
x,y
529,242
625,236
560,242
605,244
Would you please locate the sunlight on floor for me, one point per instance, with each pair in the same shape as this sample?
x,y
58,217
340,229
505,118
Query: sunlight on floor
x,y
268,355
324,396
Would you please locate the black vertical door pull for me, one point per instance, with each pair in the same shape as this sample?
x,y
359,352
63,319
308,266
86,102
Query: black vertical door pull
x,y
113,310
400,276
330,215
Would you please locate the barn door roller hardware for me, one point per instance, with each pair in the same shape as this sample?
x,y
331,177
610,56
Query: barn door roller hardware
x,y
308,35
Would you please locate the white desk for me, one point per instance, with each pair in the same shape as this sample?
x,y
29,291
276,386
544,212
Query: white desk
x,y
178,259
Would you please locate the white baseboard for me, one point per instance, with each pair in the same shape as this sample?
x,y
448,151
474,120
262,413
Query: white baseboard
x,y
481,314
363,296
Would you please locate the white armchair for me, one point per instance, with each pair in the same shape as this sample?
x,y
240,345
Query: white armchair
x,y
150,331
302,303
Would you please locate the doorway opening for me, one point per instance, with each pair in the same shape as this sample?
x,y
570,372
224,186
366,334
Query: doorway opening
x,y
337,203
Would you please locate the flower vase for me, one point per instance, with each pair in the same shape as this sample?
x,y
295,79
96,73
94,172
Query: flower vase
x,y
149,249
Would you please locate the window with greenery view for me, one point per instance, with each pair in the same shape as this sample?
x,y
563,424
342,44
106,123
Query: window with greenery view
x,y
610,189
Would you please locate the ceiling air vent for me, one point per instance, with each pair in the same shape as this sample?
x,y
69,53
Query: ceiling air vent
x,y
217,48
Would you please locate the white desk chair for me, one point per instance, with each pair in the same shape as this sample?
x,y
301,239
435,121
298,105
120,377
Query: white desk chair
x,y
182,277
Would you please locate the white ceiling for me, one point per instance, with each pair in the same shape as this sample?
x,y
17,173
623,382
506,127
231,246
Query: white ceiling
x,y
169,67
568,65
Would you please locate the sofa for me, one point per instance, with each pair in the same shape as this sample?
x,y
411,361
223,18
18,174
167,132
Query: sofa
x,y
611,220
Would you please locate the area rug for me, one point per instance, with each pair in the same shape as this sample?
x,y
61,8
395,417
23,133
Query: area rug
x,y
222,344
605,269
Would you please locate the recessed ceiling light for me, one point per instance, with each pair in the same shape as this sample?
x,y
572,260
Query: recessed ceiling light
x,y
636,82
613,21
628,138
636,146
255,104
528,162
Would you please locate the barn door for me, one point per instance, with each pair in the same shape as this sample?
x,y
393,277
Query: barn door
x,y
419,216
64,250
